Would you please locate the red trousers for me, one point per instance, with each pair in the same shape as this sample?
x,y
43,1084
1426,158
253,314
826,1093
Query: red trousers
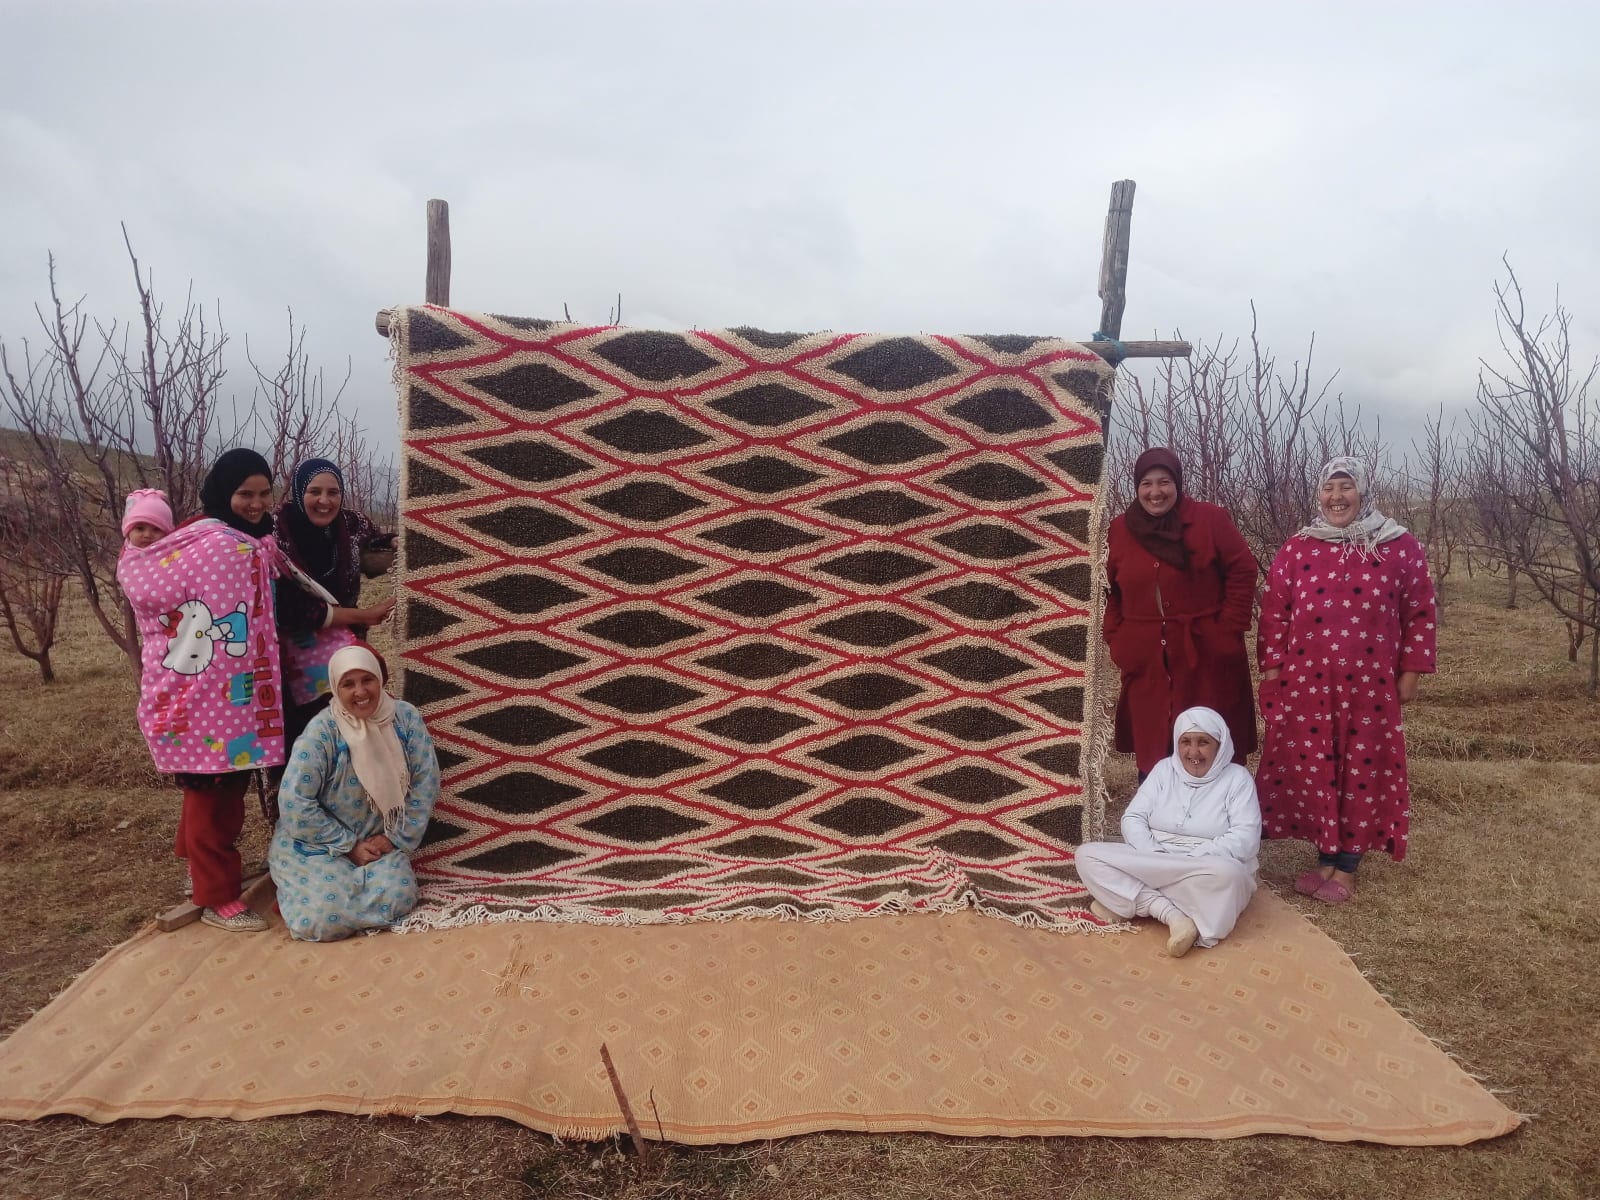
x,y
208,826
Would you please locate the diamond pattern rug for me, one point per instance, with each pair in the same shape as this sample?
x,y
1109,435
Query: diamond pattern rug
x,y
748,623
755,1029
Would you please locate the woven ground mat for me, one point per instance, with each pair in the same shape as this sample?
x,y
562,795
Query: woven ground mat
x,y
712,623
742,1030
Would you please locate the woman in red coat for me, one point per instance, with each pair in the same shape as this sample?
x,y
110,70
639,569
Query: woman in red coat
x,y
1182,587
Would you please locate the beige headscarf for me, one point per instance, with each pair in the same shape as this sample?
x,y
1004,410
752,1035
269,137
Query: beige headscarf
x,y
375,751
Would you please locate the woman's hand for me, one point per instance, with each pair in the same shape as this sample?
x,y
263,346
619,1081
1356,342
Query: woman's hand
x,y
1406,686
370,850
378,613
1271,676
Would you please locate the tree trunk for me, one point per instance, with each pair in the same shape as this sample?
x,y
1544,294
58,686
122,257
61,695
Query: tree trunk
x,y
1511,589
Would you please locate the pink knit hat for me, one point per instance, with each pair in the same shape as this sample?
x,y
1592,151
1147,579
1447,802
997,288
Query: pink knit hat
x,y
147,506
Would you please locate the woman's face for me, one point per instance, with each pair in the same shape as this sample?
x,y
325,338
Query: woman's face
x,y
358,692
324,497
1197,751
252,499
1339,500
1158,491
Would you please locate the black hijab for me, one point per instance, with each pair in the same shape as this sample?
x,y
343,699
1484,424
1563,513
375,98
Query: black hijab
x,y
223,480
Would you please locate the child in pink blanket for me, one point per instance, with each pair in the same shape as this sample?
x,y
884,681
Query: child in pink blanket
x,y
146,517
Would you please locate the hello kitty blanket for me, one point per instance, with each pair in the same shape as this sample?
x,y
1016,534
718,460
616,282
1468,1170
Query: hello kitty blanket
x,y
210,695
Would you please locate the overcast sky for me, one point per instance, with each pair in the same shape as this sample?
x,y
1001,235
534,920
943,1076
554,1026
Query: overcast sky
x,y
928,166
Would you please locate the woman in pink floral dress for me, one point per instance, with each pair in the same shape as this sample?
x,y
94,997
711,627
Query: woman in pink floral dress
x,y
1347,627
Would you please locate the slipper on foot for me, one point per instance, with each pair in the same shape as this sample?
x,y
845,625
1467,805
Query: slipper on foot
x,y
1104,913
1308,883
1181,936
1333,892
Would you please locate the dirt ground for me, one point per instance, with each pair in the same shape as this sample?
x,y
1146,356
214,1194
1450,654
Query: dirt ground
x,y
1485,937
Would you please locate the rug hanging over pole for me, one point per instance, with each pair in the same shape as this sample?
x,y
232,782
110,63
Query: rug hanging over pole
x,y
739,623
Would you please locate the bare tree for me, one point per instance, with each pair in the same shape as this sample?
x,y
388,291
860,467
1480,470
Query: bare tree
x,y
33,573
1425,493
1538,421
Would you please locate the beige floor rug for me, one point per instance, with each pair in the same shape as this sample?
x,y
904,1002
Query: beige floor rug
x,y
727,1032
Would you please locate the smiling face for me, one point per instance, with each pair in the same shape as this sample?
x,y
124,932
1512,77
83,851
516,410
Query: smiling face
x,y
359,691
1158,491
324,497
252,498
1339,500
1197,751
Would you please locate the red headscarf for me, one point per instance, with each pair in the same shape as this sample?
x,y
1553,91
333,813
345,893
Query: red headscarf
x,y
1162,536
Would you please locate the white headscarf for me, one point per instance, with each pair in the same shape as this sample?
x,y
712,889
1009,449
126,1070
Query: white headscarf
x,y
1371,528
376,755
1209,722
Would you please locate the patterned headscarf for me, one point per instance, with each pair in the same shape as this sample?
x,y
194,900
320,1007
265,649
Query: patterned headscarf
x,y
1371,528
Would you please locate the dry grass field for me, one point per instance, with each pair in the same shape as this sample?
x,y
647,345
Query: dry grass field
x,y
1487,938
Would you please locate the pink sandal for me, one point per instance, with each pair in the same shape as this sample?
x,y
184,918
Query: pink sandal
x,y
1333,892
1308,883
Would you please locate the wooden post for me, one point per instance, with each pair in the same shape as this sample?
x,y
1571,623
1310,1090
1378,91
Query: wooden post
x,y
436,289
639,1147
1114,258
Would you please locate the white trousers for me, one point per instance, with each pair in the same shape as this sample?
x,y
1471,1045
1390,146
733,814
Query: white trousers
x,y
1212,890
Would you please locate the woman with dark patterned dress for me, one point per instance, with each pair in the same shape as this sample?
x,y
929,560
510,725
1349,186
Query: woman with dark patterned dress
x,y
1347,628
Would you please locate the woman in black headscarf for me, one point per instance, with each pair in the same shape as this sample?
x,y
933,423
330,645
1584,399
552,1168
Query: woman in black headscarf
x,y
238,491
327,541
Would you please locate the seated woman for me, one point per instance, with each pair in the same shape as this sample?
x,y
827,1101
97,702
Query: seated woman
x,y
1190,837
355,800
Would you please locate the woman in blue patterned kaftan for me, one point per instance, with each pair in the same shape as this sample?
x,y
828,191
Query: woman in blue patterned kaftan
x,y
354,803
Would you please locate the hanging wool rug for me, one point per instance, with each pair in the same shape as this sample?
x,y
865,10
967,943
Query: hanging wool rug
x,y
738,623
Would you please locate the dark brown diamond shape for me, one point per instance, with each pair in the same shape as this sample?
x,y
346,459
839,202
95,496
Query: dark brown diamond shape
x,y
877,568
427,334
757,598
1007,343
641,823
982,601
425,411
763,845
993,481
1065,703
523,594
631,869
642,565
1075,580
521,724
640,693
755,725
1064,824
521,792
517,857
760,535
1063,759
655,356
763,474
976,664
1071,642
886,506
972,723
424,480
647,433
1074,522
424,551
973,843
867,691
768,404
1002,410
864,752
423,689
757,660
987,541
425,620
875,627
525,525
1083,463
644,500
531,462
972,785
893,365
758,788
864,816
639,628
640,759
884,443
521,659
533,387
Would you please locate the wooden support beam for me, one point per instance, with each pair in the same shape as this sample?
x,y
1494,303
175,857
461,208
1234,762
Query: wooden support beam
x,y
1114,258
436,288
188,912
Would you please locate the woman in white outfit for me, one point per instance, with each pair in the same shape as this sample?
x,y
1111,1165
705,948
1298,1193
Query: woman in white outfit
x,y
1189,841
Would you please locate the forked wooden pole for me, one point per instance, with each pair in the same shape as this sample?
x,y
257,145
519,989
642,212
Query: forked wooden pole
x,y
437,284
1114,258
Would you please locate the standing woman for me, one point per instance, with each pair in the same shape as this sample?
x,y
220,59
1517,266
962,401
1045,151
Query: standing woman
x,y
1182,587
1347,627
326,541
